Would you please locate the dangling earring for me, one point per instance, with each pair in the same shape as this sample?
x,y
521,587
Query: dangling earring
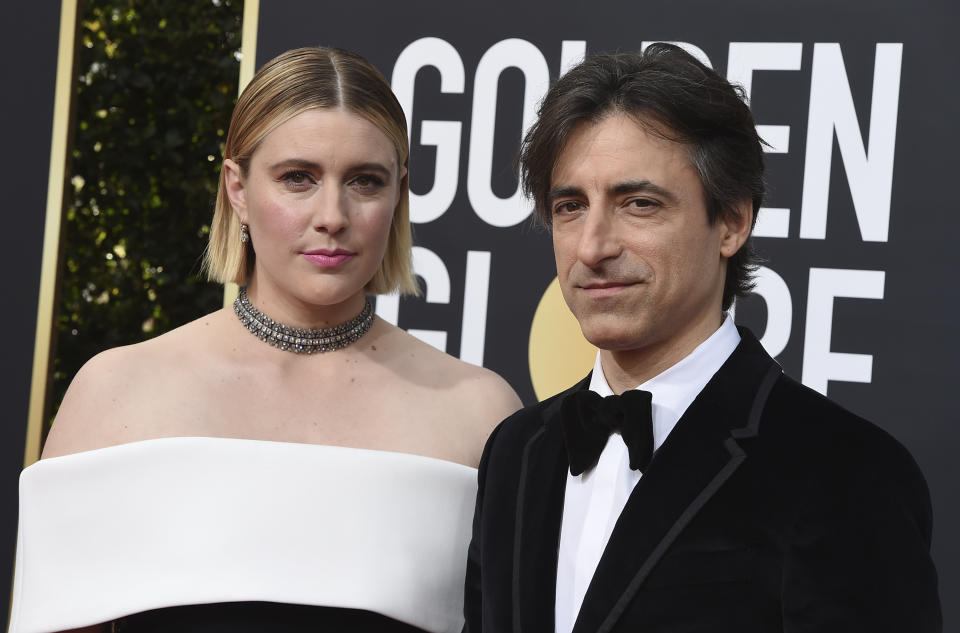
x,y
244,234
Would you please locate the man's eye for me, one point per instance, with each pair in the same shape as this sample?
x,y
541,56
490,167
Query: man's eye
x,y
567,207
642,203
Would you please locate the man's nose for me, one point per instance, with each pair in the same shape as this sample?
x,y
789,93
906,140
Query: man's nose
x,y
330,214
599,239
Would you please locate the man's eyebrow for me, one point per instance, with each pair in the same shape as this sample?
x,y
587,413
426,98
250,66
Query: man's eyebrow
x,y
618,189
641,186
564,192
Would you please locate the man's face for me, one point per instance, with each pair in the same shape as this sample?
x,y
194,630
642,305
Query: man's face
x,y
638,262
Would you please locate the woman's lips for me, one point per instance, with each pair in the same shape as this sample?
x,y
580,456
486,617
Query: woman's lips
x,y
328,259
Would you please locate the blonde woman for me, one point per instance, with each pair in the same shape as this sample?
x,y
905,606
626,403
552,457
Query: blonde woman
x,y
291,462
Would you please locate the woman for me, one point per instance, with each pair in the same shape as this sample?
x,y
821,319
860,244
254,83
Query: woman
x,y
293,462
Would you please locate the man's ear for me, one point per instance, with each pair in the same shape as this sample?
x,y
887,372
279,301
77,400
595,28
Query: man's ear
x,y
236,188
735,228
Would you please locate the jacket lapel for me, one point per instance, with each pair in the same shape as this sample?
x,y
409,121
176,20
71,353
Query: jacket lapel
x,y
698,457
540,493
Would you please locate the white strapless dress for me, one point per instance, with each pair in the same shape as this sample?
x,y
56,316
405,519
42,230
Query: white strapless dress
x,y
182,521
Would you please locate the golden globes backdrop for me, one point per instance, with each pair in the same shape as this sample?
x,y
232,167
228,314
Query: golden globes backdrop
x,y
857,101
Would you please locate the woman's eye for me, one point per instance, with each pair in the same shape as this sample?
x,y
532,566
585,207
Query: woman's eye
x,y
367,182
296,178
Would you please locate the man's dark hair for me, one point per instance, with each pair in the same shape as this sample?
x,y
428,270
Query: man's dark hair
x,y
671,94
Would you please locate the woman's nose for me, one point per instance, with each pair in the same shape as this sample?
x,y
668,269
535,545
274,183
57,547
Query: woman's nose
x,y
330,213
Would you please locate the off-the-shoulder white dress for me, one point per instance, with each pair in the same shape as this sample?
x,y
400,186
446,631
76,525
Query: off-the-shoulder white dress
x,y
190,521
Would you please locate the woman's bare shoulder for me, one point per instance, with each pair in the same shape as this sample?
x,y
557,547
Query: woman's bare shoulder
x,y
115,388
485,398
486,393
86,417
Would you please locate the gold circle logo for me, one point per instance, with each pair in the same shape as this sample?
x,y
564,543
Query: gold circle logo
x,y
559,356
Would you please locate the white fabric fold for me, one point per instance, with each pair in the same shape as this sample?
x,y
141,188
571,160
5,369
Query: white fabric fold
x,y
178,521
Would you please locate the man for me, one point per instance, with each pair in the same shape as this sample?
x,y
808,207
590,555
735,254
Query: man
x,y
745,501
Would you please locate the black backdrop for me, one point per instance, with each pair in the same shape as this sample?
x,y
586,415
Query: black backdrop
x,y
28,54
860,302
883,178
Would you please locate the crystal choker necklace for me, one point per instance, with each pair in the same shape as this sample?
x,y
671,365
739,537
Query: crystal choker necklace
x,y
298,340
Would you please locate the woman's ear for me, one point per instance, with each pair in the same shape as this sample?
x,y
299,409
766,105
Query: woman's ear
x,y
736,228
401,174
236,188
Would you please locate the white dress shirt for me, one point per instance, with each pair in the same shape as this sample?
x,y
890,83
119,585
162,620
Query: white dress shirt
x,y
594,500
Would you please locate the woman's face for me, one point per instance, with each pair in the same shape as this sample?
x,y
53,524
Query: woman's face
x,y
319,197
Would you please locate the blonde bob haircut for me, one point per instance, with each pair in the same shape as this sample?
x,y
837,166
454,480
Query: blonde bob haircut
x,y
296,81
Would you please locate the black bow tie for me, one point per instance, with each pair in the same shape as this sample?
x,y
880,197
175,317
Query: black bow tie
x,y
589,419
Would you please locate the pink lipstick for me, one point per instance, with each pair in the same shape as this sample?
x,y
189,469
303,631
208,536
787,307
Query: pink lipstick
x,y
327,258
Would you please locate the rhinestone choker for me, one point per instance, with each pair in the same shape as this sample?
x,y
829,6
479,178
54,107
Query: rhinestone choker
x,y
298,340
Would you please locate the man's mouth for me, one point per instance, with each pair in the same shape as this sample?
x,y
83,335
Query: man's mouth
x,y
600,289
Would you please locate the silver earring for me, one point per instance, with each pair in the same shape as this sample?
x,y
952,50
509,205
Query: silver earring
x,y
244,234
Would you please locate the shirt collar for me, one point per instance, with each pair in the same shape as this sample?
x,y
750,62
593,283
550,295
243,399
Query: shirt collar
x,y
676,387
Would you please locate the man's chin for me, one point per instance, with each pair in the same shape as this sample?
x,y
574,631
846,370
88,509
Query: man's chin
x,y
612,340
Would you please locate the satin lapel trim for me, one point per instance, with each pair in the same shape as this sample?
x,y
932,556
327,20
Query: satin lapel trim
x,y
540,492
698,457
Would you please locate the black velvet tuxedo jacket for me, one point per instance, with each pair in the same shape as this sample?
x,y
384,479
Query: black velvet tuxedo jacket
x,y
768,508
